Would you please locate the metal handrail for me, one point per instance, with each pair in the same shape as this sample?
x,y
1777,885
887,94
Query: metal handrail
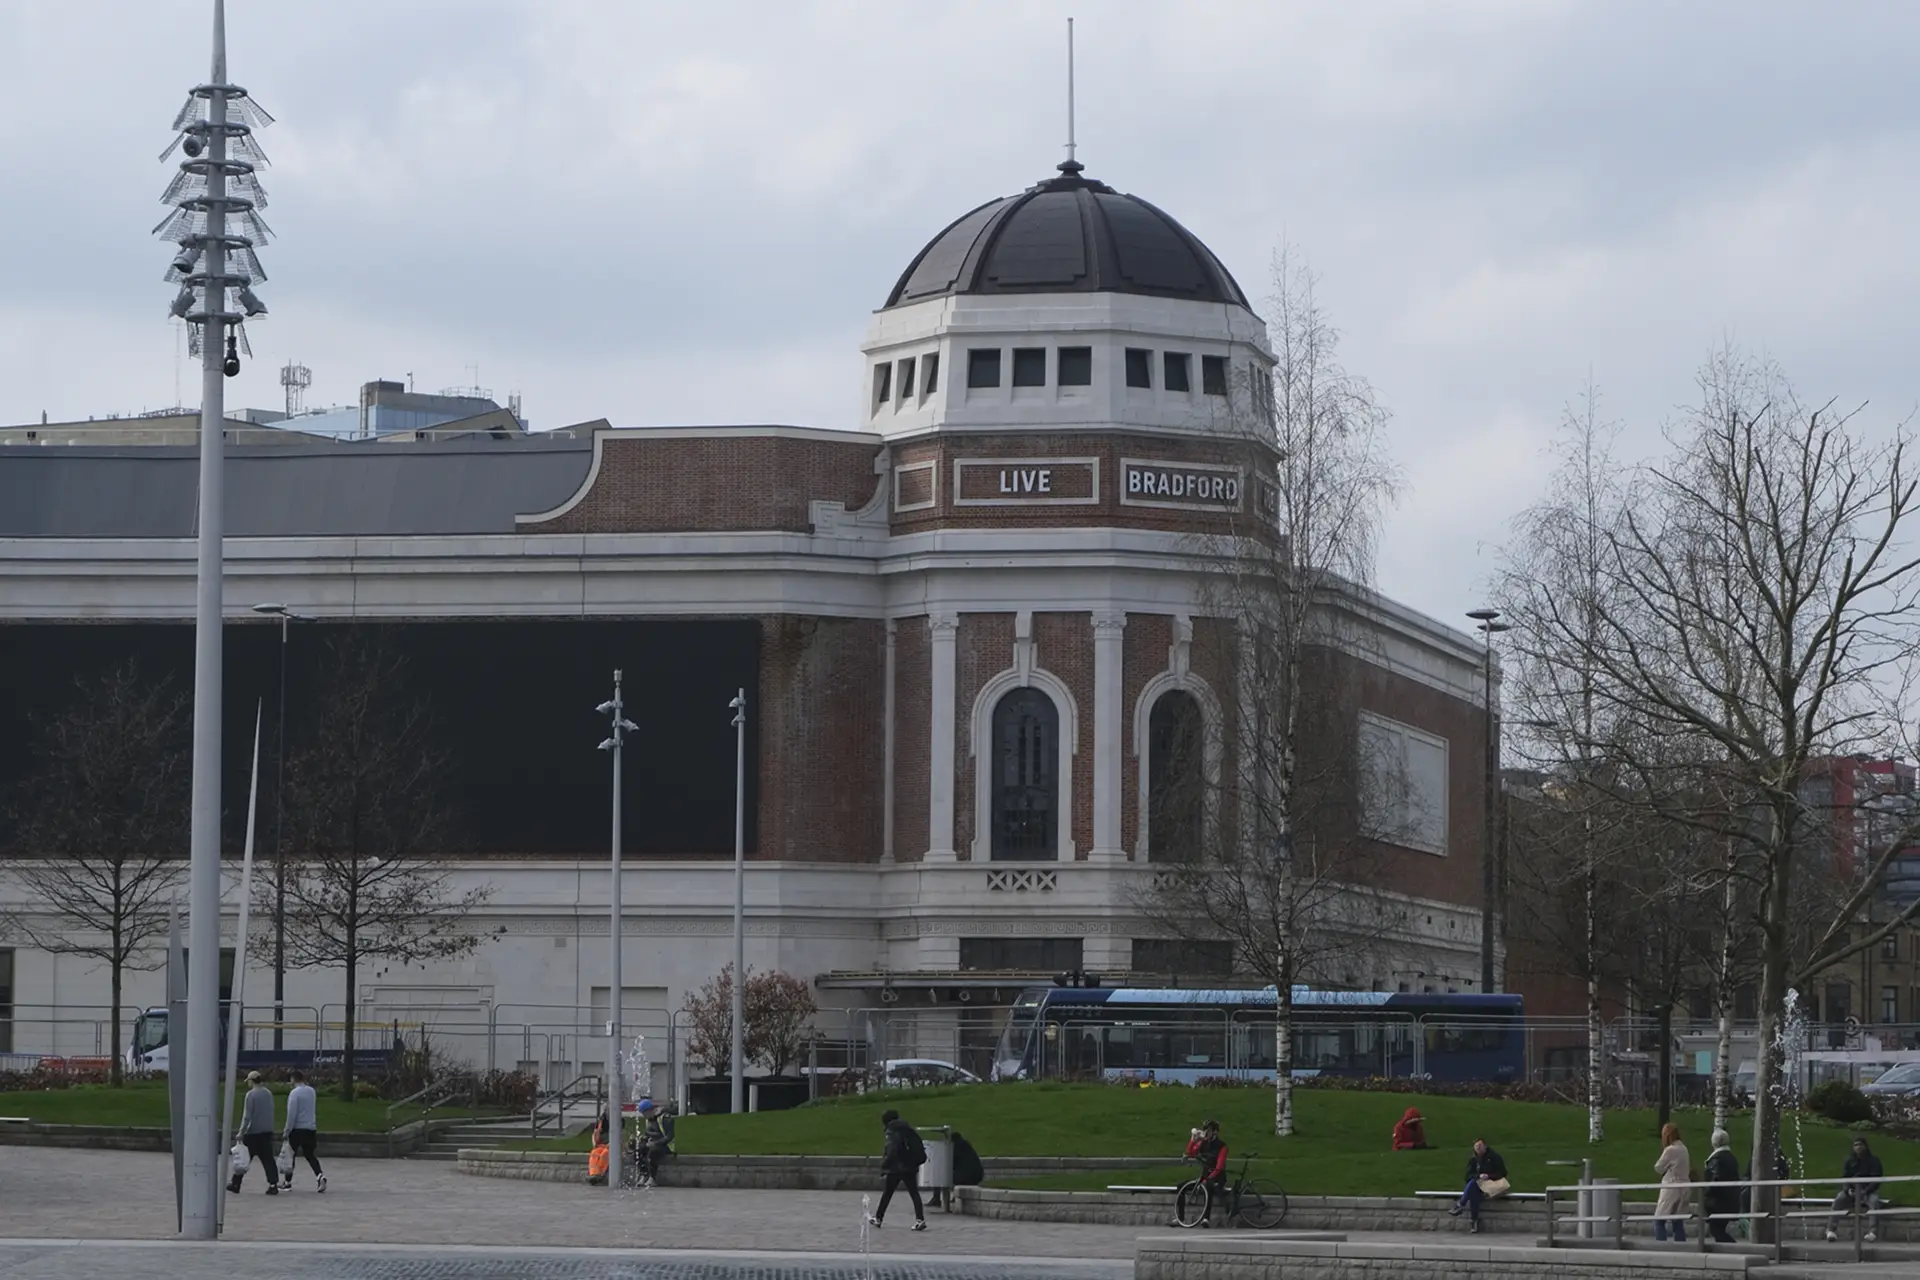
x,y
561,1096
1698,1209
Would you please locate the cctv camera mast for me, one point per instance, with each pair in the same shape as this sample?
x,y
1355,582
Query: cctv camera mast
x,y
215,227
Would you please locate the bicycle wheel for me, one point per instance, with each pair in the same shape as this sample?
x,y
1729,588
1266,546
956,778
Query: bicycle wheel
x,y
1190,1205
1263,1204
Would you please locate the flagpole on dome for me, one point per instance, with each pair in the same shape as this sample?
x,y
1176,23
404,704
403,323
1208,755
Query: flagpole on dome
x,y
1070,165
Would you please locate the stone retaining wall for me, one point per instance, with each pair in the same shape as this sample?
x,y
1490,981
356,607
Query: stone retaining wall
x,y
1265,1258
1309,1213
405,1140
758,1173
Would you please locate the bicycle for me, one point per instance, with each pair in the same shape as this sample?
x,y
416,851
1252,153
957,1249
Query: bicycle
x,y
1260,1203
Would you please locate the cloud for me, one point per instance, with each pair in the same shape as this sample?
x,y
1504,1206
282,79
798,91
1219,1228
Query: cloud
x,y
681,213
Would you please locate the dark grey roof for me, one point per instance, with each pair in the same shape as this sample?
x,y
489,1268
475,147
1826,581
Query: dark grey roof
x,y
1067,235
364,488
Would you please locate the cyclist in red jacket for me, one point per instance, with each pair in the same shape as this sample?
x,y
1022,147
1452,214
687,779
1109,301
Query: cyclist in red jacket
x,y
1205,1148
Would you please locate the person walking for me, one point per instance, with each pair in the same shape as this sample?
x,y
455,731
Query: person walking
x,y
1723,1197
1486,1180
303,1132
1672,1166
901,1158
256,1135
1864,1196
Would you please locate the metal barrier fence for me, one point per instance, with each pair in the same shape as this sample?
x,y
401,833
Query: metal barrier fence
x,y
1863,1209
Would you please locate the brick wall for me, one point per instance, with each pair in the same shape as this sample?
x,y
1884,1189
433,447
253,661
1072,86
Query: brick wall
x,y
1108,511
821,703
984,648
1063,645
912,730
1214,659
727,481
1144,655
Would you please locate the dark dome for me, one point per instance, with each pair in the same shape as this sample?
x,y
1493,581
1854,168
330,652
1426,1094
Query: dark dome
x,y
1067,235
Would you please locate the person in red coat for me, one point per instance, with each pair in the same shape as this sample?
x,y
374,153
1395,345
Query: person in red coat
x,y
1410,1134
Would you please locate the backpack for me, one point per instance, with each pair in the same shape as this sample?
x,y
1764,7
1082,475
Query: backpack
x,y
916,1149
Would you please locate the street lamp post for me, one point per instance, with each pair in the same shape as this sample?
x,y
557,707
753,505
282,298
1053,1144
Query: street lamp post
x,y
616,1114
739,705
1488,624
286,617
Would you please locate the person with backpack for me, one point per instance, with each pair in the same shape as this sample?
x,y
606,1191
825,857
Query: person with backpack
x,y
901,1159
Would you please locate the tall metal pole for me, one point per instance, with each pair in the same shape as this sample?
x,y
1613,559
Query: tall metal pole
x,y
1486,833
616,1113
199,1219
280,854
739,705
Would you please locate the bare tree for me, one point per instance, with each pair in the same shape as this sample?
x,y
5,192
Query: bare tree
x,y
1761,614
365,878
1560,554
100,828
1286,850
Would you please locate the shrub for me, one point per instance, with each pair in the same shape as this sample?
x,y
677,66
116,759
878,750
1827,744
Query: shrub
x,y
1840,1102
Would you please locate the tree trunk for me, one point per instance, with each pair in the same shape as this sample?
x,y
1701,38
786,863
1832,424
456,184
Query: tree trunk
x,y
1665,1026
1283,1056
1768,1095
1723,1004
346,1046
1596,1030
117,1071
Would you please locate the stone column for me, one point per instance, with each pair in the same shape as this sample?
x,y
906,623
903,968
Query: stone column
x,y
945,628
1109,629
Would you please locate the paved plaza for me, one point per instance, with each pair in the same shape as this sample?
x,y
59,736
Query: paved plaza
x,y
54,1195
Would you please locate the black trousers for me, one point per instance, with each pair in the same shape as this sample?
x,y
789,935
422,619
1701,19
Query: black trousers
x,y
910,1181
260,1147
303,1142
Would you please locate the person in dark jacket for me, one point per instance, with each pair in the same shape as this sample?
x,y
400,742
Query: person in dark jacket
x,y
256,1134
901,1158
1864,1196
968,1171
1723,1170
1207,1149
1486,1176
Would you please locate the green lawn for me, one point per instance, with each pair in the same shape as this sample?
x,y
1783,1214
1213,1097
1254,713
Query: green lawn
x,y
1341,1147
144,1105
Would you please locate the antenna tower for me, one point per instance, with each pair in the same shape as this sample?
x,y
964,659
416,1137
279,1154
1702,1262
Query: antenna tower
x,y
296,378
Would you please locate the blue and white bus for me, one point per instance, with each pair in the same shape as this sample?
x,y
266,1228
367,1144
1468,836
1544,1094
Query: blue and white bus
x,y
1184,1036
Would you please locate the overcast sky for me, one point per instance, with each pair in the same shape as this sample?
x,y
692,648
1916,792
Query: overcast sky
x,y
685,213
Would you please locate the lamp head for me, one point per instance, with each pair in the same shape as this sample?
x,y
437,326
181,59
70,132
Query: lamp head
x,y
1483,615
605,708
273,607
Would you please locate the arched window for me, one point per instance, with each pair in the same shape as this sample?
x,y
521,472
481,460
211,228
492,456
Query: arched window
x,y
1176,789
1026,777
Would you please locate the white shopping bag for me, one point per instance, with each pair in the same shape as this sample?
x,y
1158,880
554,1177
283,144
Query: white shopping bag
x,y
237,1160
286,1162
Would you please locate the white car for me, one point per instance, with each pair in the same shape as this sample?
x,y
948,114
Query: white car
x,y
906,1073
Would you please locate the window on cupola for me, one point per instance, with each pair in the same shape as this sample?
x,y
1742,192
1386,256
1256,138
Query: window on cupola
x,y
1179,367
882,383
1213,375
983,367
906,382
932,366
1029,366
1139,368
1076,366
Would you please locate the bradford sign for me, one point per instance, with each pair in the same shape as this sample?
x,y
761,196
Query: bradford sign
x,y
1188,486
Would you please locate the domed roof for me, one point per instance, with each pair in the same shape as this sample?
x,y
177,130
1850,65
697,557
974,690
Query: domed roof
x,y
1067,235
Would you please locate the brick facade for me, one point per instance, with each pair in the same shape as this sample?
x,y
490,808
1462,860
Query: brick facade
x,y
1063,645
820,720
1148,638
984,648
731,480
912,732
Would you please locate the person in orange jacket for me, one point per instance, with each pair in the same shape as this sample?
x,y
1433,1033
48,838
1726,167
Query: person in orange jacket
x,y
1410,1134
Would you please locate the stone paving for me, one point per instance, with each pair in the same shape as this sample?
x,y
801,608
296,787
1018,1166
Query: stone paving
x,y
108,1195
152,1260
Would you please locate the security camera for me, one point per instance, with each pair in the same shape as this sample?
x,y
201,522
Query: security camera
x,y
182,302
193,145
251,304
189,254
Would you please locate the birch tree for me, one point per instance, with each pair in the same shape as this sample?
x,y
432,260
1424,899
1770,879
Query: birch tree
x,y
1286,861
1763,609
100,827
